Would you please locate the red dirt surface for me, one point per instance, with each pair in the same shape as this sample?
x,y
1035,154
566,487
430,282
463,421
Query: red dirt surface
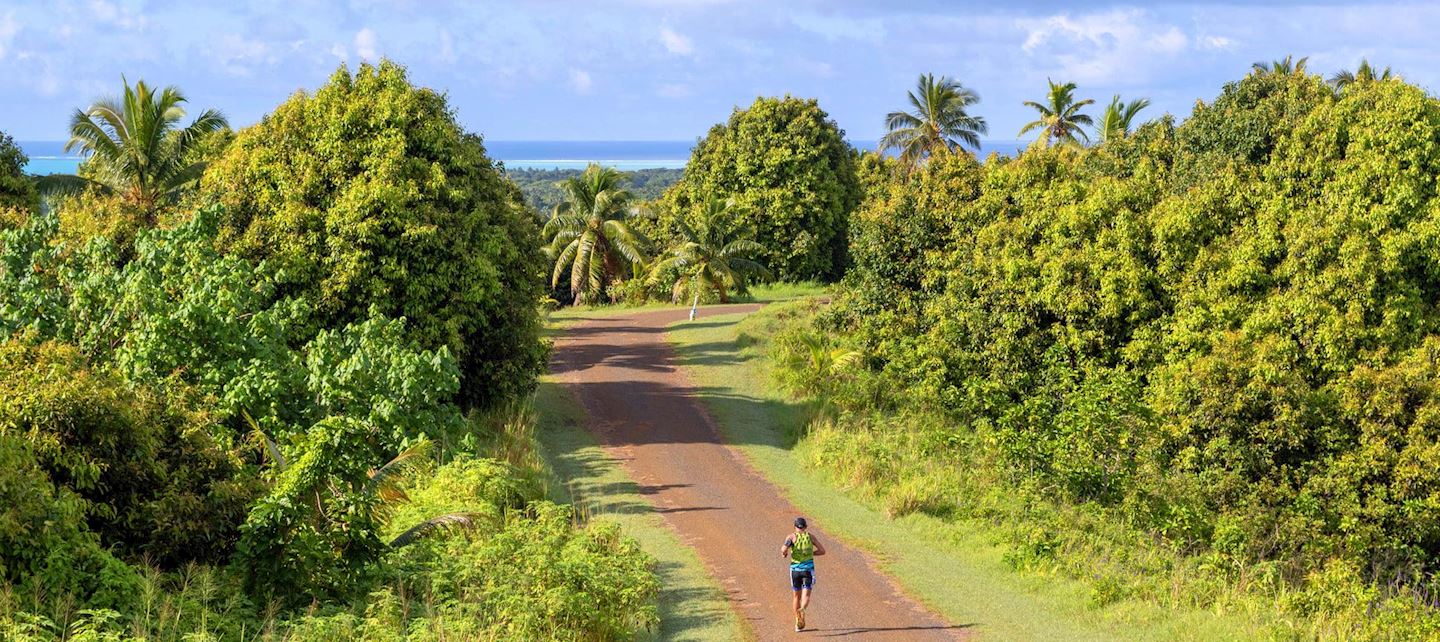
x,y
644,411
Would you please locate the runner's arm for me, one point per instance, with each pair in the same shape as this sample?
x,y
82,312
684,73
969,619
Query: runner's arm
x,y
785,550
819,550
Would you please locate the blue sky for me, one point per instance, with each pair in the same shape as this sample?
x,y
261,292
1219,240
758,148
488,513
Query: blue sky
x,y
656,70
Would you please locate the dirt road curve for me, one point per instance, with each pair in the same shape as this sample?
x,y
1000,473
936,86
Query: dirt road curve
x,y
642,408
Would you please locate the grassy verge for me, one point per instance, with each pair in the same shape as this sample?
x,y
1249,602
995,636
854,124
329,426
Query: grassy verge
x,y
693,607
956,567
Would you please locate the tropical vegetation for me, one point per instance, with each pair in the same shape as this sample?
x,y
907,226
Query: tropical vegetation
x,y
709,258
137,148
1118,119
1060,121
1365,72
543,187
940,122
590,236
793,179
17,192
297,409
1193,365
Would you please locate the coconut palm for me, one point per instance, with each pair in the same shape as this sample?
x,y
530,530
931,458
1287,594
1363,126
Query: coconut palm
x,y
1282,67
1119,117
589,234
939,122
708,257
135,146
1060,118
1364,73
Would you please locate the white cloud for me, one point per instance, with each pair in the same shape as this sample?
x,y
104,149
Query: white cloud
x,y
676,43
9,26
675,90
367,44
238,56
339,52
580,81
1216,43
106,12
447,48
1120,45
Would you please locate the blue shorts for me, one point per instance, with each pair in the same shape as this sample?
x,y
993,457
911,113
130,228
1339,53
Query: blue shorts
x,y
802,579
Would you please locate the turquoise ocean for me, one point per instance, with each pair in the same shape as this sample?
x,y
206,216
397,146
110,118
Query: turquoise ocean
x,y
49,157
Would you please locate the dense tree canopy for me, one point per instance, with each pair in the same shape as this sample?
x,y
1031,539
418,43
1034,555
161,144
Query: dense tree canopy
x,y
367,195
792,176
17,191
1235,319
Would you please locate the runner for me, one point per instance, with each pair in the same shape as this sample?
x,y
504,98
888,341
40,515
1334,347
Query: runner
x,y
801,548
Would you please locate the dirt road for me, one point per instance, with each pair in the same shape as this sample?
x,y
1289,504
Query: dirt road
x,y
643,410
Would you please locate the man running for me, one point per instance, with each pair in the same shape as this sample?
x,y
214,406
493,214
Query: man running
x,y
801,548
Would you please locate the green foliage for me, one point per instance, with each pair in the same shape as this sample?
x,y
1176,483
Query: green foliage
x,y
47,556
367,196
158,479
1060,121
792,176
542,191
136,147
17,191
1223,335
708,258
590,234
939,124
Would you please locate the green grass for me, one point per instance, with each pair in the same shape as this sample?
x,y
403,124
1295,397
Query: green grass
x,y
956,568
693,606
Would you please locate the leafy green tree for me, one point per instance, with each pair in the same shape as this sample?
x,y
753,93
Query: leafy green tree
x,y
1060,119
1119,118
793,179
366,197
589,233
136,146
17,191
939,123
709,257
1364,73
1280,67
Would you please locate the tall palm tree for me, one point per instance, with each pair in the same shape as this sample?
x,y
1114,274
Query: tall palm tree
x,y
1060,118
589,234
708,257
1282,67
136,147
1364,73
939,122
1118,118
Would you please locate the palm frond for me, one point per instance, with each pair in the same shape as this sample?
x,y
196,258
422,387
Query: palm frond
x,y
450,521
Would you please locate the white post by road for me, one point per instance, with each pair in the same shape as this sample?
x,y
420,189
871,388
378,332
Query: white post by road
x,y
694,307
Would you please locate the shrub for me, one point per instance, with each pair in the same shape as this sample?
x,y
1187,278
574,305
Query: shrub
x,y
155,474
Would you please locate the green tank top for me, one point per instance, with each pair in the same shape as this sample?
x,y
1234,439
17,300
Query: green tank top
x,y
802,550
